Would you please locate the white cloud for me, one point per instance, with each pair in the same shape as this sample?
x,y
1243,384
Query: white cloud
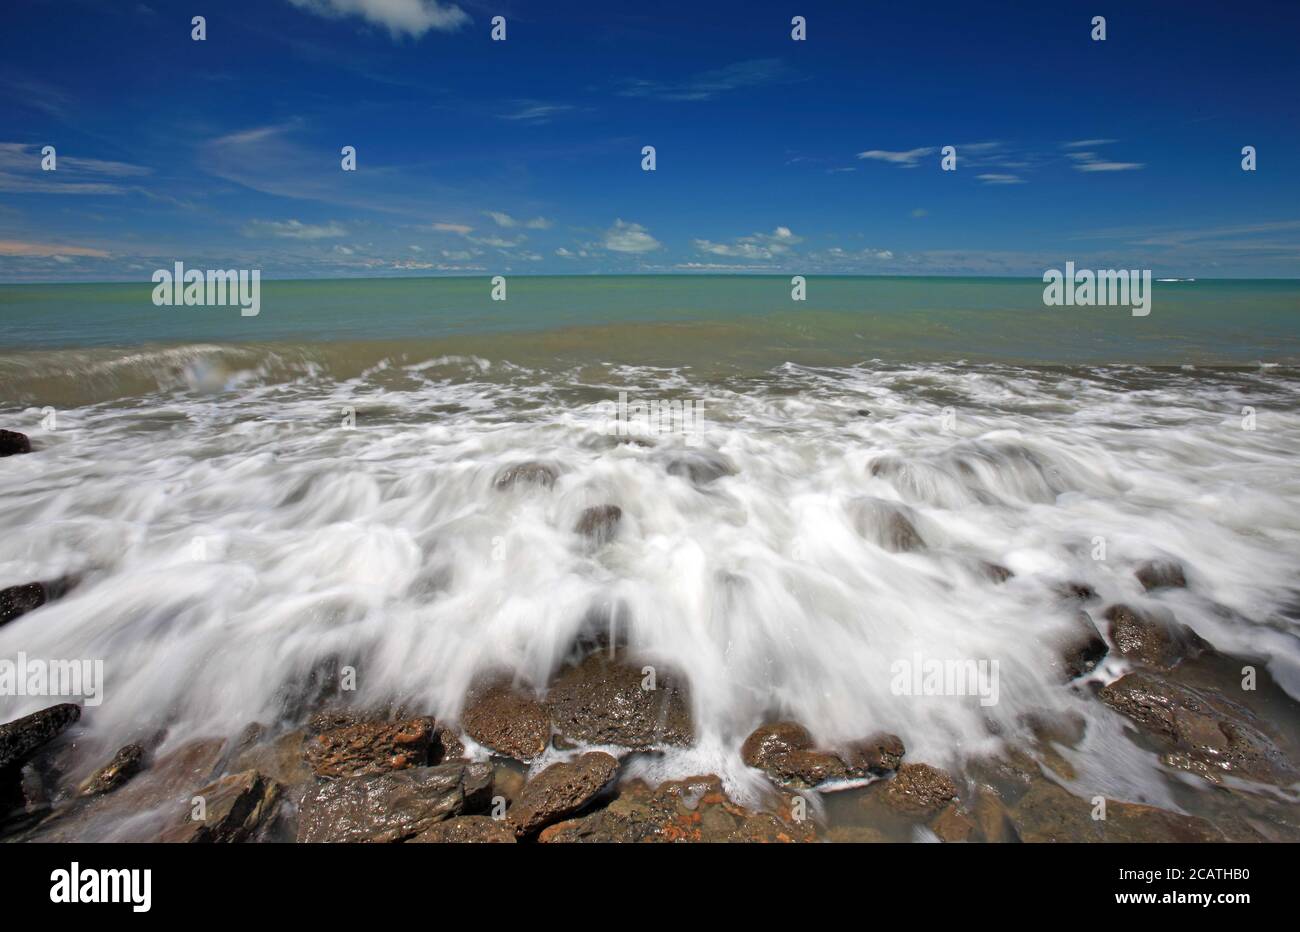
x,y
1109,166
755,246
509,222
410,17
1086,143
459,228
294,229
908,159
1000,178
629,237
536,112
9,247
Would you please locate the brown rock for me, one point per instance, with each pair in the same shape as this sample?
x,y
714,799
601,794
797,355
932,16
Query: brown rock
x,y
920,788
370,747
393,806
474,829
992,817
530,473
599,524
1047,813
1203,731
236,806
508,722
953,824
561,791
1076,590
1156,640
1161,574
12,442
1081,648
889,524
601,701
784,750
125,764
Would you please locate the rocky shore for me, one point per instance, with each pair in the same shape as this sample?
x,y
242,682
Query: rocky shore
x,y
522,765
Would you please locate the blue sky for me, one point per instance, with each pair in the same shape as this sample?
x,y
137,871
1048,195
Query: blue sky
x,y
524,156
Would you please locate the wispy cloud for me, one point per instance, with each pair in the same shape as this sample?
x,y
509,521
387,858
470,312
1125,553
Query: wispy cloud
x,y
1000,178
21,173
1086,143
536,112
1092,162
755,246
294,229
400,17
710,84
509,222
909,158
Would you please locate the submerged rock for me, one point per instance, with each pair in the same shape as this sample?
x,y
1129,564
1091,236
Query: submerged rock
x,y
1161,574
16,601
701,468
996,571
125,764
235,807
1076,590
602,701
920,788
691,810
472,829
1153,639
599,524
1203,731
561,790
785,751
530,473
889,524
1047,813
505,721
12,442
1081,648
371,747
393,806
22,737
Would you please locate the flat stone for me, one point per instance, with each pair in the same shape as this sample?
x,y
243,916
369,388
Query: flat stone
x,y
601,701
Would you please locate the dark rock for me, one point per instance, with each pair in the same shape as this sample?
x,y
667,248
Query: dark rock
x,y
12,442
393,806
473,829
235,808
125,764
22,737
1076,590
862,412
599,524
1047,813
530,473
691,810
447,746
19,600
784,750
1081,648
701,468
920,788
889,524
561,790
1151,639
996,571
507,722
1161,574
601,701
1203,731
371,747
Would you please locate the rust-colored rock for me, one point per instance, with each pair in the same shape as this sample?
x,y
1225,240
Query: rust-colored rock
x,y
508,722
371,747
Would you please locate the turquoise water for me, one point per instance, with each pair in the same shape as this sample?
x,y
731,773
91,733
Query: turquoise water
x,y
843,318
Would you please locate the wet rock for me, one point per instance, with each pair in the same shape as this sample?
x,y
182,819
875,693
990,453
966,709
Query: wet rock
x,y
996,571
474,829
12,442
1047,813
785,751
1076,590
953,824
235,807
1161,574
16,601
992,817
561,790
691,810
920,788
602,701
1081,648
1203,731
393,806
507,783
508,722
22,737
530,473
370,747
447,746
1151,638
126,763
599,524
701,468
889,524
